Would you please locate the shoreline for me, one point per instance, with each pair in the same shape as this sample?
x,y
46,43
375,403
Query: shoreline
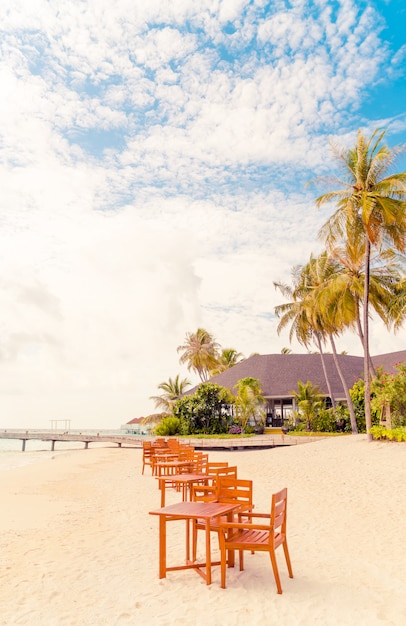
x,y
79,548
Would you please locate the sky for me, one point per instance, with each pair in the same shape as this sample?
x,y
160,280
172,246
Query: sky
x,y
155,160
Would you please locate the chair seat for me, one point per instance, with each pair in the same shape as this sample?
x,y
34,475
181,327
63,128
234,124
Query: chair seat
x,y
250,539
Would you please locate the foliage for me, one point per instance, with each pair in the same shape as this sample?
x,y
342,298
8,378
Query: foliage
x,y
389,390
394,434
309,401
371,210
168,427
235,430
199,353
172,390
325,420
248,403
357,393
228,357
206,411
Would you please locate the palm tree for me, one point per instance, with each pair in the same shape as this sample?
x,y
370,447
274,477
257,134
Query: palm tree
x,y
342,298
316,277
173,389
249,401
199,353
226,359
370,204
309,401
297,312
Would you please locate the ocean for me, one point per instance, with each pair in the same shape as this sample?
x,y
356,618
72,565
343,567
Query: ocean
x,y
11,454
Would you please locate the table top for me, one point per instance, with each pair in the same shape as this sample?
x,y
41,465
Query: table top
x,y
183,478
194,510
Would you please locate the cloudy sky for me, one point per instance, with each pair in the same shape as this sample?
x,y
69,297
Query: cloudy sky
x,y
155,157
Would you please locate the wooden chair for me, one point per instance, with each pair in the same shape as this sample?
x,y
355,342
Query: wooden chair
x,y
256,537
226,489
212,466
220,472
147,454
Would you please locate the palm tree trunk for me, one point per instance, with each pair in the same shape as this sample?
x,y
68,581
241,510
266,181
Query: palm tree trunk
x,y
345,388
323,364
367,376
361,335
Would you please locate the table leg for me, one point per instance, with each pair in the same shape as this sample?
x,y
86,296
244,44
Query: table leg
x,y
162,546
162,487
187,542
208,553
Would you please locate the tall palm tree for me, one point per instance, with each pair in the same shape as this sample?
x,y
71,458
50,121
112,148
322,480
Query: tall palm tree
x,y
173,389
342,298
316,277
296,313
227,358
371,203
199,353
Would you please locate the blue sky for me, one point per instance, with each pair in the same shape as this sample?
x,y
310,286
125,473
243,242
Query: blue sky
x,y
154,168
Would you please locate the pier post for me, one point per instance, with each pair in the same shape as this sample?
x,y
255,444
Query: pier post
x,y
53,445
23,447
86,445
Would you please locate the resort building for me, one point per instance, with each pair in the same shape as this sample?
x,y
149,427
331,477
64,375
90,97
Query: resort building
x,y
280,373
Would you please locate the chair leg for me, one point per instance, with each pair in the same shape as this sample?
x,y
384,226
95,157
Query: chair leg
x,y
194,540
287,557
241,559
275,571
223,561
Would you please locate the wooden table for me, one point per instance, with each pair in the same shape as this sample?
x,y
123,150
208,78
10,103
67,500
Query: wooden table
x,y
170,468
183,480
190,511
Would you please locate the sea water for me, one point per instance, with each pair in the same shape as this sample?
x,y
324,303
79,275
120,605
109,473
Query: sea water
x,y
11,454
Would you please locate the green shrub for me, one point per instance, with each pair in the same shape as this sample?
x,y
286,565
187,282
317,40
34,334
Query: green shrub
x,y
168,427
394,434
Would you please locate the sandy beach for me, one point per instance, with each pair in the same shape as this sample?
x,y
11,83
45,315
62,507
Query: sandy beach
x,y
79,548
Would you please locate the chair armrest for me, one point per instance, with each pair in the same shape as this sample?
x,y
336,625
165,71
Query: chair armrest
x,y
224,526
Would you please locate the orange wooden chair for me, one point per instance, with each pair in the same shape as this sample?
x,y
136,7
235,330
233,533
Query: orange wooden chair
x,y
212,466
227,489
256,537
147,454
220,472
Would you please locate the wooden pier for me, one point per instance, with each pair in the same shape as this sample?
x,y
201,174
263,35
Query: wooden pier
x,y
53,437
257,442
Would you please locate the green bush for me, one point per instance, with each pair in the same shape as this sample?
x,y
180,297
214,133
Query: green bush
x,y
394,434
324,421
168,427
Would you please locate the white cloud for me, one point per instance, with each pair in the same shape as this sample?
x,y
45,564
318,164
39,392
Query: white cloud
x,y
209,117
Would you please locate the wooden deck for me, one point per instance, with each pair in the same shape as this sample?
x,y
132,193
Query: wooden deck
x,y
269,440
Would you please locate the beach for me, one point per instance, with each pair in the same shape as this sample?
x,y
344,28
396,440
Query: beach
x,y
78,546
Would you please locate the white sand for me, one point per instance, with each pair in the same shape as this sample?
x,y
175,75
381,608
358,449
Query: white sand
x,y
78,547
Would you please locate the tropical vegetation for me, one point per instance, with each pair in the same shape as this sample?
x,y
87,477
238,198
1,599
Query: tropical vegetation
x,y
371,210
360,270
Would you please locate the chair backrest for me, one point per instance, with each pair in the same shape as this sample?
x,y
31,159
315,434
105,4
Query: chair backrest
x,y
231,472
204,493
212,466
200,461
173,444
235,490
186,453
160,442
278,511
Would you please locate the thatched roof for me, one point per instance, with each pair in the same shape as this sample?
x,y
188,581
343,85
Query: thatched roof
x,y
280,373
